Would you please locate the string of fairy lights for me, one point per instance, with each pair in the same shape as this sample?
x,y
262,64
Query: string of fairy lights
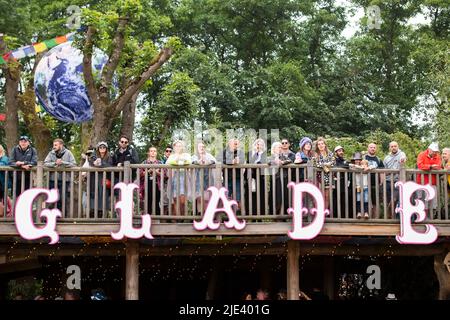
x,y
103,271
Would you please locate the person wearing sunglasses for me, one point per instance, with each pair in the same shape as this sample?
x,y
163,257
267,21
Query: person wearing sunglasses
x,y
167,153
124,152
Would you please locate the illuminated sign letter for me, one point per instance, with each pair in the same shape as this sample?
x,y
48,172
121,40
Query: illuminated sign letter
x,y
212,209
313,229
125,205
24,215
407,210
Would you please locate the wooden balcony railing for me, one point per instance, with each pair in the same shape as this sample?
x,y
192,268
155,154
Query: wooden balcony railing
x,y
178,194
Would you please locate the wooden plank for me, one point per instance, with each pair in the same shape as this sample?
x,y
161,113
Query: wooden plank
x,y
293,269
363,228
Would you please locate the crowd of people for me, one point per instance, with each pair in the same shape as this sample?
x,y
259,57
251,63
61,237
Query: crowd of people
x,y
165,187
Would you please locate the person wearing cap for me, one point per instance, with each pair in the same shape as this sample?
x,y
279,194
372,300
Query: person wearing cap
x,y
362,185
23,157
428,160
100,159
60,157
394,160
341,186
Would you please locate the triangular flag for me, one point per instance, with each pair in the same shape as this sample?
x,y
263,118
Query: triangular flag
x,y
2,61
38,108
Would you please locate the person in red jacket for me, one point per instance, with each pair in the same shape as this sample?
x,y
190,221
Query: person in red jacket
x,y
428,160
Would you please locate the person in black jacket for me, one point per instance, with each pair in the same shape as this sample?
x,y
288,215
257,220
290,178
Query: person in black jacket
x,y
125,152
101,159
343,164
23,157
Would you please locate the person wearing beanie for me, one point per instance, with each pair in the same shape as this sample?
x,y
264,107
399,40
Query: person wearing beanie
x,y
304,154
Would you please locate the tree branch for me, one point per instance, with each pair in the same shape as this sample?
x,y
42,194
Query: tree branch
x,y
87,66
113,61
118,105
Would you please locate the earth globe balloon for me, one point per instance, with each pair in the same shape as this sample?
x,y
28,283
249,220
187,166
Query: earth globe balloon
x,y
59,83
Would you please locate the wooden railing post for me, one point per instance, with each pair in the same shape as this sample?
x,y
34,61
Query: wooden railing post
x,y
39,184
132,271
126,172
218,175
402,175
293,268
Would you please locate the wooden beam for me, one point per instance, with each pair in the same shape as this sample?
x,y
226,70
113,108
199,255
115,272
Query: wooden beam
x,y
328,277
293,268
132,271
242,249
252,229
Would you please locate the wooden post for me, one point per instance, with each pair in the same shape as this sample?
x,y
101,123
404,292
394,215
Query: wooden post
x,y
328,276
293,281
132,271
126,172
402,176
443,276
40,184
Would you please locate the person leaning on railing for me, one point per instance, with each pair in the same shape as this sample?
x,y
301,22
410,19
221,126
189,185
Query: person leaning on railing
x,y
428,160
233,155
362,185
60,157
279,184
101,159
180,178
24,157
446,166
153,175
324,159
202,158
4,187
257,155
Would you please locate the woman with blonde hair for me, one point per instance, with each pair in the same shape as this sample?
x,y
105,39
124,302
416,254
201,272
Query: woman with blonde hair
x,y
180,179
324,159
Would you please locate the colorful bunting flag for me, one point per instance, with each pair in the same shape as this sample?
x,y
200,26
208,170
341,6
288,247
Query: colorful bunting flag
x,y
40,47
38,108
51,43
18,54
2,117
61,39
31,50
